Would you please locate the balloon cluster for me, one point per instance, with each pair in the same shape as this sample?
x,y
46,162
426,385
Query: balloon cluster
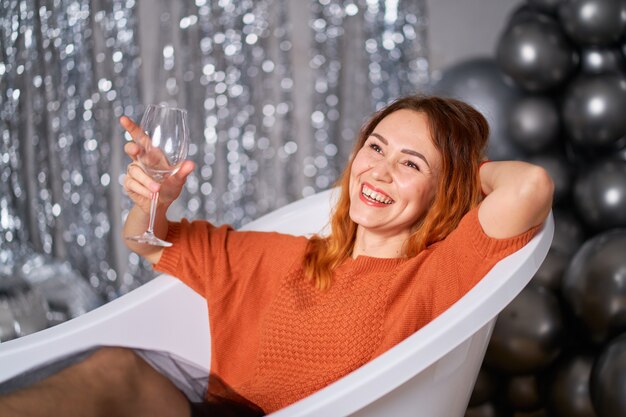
x,y
555,95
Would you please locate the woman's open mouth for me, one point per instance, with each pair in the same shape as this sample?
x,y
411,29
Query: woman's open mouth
x,y
375,197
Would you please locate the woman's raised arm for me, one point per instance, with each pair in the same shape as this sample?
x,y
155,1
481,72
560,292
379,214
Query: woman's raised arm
x,y
518,197
139,187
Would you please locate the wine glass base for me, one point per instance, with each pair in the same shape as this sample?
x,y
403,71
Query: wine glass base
x,y
149,239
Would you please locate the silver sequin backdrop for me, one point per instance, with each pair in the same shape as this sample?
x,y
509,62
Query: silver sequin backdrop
x,y
276,91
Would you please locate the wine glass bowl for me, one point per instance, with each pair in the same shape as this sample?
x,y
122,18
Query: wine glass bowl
x,y
163,146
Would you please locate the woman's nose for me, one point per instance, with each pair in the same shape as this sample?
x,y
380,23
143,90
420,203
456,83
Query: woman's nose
x,y
381,171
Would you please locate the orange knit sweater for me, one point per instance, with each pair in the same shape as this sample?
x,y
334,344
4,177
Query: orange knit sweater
x,y
276,339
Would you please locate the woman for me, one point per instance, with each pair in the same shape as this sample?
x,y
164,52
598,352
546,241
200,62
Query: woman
x,y
290,315
419,221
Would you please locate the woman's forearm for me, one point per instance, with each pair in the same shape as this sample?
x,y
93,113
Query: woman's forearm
x,y
136,223
511,175
518,196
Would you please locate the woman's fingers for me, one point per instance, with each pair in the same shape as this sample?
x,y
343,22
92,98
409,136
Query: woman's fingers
x,y
186,168
132,150
136,173
131,127
137,181
153,156
134,130
133,186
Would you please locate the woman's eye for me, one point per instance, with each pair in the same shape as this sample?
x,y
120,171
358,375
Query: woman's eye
x,y
375,147
412,165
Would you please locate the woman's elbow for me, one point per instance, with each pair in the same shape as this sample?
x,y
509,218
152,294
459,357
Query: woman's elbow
x,y
538,191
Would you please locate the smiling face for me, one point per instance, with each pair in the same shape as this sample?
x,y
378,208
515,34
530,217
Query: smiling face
x,y
394,176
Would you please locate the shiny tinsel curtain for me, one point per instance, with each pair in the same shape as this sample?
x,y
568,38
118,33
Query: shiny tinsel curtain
x,y
67,69
276,91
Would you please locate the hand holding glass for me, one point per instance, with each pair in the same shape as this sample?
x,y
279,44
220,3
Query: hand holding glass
x,y
163,145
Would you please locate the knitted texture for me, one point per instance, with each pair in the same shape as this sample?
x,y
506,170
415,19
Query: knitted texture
x,y
276,338
311,338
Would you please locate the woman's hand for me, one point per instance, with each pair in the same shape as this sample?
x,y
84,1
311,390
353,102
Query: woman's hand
x,y
138,185
518,197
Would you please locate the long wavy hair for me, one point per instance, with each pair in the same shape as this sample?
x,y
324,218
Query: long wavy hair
x,y
459,133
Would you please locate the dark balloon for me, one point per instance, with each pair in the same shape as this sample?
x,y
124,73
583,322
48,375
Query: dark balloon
x,y
594,285
524,13
593,109
569,392
522,393
534,123
485,388
608,380
547,6
593,22
536,54
550,273
568,233
484,410
602,60
537,413
479,82
559,170
621,154
600,195
527,334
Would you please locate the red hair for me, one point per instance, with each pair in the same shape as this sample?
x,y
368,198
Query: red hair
x,y
459,133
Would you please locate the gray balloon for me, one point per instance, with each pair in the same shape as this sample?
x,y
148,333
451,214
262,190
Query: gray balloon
x,y
593,110
536,54
594,285
525,12
527,335
568,233
485,388
550,273
595,60
548,6
569,392
600,195
488,409
608,380
558,168
479,82
522,392
534,123
593,22
621,154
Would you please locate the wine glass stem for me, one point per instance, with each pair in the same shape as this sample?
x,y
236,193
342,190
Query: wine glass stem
x,y
153,207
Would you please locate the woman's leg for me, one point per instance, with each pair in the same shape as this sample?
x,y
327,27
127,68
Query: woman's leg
x,y
110,382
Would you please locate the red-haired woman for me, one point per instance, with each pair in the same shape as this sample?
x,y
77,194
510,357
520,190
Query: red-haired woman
x,y
419,221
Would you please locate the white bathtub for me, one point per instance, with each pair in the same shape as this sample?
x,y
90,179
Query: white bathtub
x,y
431,373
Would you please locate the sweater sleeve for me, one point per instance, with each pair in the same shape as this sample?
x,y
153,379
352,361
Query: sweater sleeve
x,y
206,257
465,257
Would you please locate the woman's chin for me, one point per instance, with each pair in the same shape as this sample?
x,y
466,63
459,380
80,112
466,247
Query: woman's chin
x,y
367,222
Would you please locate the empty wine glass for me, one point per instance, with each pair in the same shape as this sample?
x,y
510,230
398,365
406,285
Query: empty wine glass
x,y
163,146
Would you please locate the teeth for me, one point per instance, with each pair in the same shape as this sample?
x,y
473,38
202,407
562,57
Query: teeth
x,y
376,196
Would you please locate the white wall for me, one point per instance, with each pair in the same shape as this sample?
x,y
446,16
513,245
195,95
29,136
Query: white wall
x,y
460,29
